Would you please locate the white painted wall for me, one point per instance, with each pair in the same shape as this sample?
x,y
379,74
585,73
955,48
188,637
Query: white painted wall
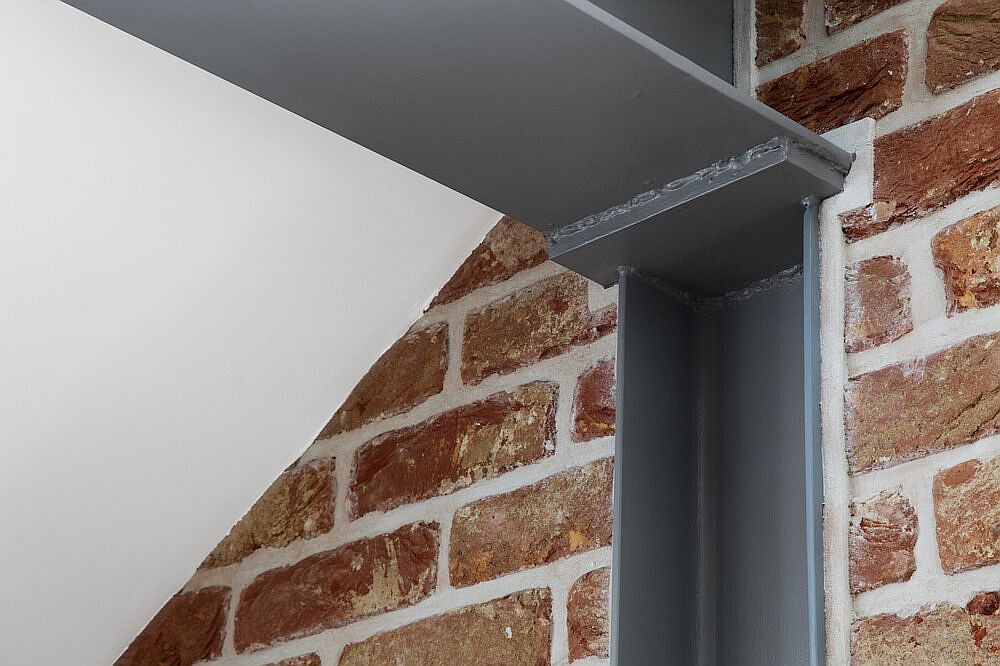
x,y
191,280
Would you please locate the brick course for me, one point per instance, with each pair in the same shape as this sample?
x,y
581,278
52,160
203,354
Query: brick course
x,y
455,449
878,303
587,615
779,29
968,253
963,42
841,14
967,510
189,628
882,538
594,403
924,167
564,514
334,588
299,505
513,631
864,81
538,322
912,409
408,373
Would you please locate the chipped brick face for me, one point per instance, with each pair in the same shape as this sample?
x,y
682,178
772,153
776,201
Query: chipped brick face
x,y
882,537
508,249
967,509
924,167
910,410
189,628
779,29
594,403
841,14
933,637
411,371
455,449
564,514
968,253
587,615
299,505
513,631
864,81
304,660
336,587
538,322
878,303
963,42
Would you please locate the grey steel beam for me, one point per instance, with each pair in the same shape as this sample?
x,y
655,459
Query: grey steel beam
x,y
547,110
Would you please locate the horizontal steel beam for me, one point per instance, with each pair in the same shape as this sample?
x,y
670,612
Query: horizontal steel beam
x,y
547,110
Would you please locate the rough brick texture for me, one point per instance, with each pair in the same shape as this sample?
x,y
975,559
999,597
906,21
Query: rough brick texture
x,y
968,253
538,322
982,610
924,167
455,449
913,409
587,615
594,403
336,587
864,81
882,537
408,373
841,14
878,303
508,249
779,29
963,42
298,505
933,637
304,660
556,517
513,631
967,509
188,629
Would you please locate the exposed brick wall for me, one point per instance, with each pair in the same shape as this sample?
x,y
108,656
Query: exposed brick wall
x,y
456,509
912,281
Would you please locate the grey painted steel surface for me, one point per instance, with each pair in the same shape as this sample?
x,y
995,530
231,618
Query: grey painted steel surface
x,y
718,495
547,110
733,223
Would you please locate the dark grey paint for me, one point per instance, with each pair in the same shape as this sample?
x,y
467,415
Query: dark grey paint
x,y
547,110
718,543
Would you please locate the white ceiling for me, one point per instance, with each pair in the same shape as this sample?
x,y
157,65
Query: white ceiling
x,y
191,280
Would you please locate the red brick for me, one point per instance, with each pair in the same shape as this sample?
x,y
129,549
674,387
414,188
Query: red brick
x,y
339,586
968,253
408,373
304,660
878,303
513,631
587,615
455,449
594,403
882,536
963,42
912,409
189,628
779,29
298,505
933,637
508,249
967,509
925,167
841,14
564,514
538,322
864,81
982,610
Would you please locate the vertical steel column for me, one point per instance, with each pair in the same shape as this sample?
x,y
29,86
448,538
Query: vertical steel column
x,y
813,431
